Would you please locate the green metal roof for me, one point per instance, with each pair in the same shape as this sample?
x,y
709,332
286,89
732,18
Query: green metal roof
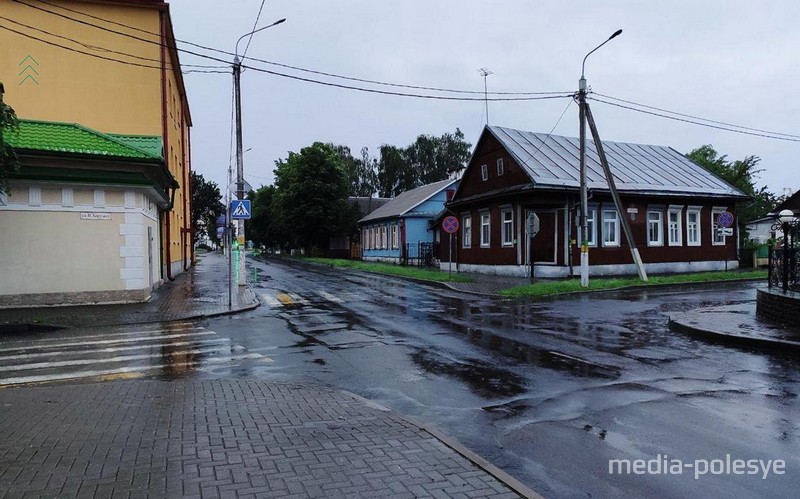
x,y
71,138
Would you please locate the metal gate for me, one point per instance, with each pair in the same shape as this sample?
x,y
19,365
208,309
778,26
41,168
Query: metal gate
x,y
418,254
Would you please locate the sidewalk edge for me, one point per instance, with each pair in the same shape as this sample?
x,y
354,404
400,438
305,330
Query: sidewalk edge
x,y
678,325
450,442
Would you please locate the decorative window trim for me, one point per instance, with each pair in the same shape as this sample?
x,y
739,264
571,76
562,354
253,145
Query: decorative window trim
x,y
673,209
484,172
659,240
695,210
591,215
488,242
466,231
500,167
99,198
395,239
615,242
34,196
506,233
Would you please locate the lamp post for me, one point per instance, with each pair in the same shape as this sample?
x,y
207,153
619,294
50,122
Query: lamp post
x,y
787,219
237,72
584,195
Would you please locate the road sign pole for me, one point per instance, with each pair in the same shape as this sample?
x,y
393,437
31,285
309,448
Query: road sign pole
x,y
450,256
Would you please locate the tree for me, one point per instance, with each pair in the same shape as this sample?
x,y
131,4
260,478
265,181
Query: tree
x,y
741,174
9,163
311,195
206,207
429,159
261,228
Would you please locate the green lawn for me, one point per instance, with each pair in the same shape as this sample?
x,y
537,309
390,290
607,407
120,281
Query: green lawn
x,y
389,269
547,288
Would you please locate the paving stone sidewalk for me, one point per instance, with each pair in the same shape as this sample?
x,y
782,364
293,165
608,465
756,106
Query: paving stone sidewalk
x,y
220,439
200,291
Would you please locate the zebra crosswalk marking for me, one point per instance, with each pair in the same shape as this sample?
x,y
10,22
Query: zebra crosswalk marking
x,y
298,299
330,297
122,370
107,342
271,300
116,349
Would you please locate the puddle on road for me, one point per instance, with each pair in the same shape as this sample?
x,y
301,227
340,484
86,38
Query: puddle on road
x,y
483,379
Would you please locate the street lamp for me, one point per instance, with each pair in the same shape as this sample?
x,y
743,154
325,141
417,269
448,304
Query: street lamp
x,y
584,194
237,72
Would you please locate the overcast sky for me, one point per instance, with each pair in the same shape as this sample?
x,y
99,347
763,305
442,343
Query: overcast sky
x,y
731,61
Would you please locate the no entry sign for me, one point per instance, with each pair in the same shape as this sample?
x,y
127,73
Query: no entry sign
x,y
450,224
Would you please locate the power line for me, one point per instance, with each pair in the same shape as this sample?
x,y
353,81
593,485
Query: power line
x,y
530,156
401,94
696,122
264,61
254,28
697,117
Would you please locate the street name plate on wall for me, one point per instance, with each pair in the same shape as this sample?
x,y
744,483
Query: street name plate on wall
x,y
95,216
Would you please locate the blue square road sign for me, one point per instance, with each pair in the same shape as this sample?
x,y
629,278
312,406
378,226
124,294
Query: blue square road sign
x,y
240,209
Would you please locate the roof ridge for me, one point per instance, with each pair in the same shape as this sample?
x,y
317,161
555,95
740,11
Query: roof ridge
x,y
115,139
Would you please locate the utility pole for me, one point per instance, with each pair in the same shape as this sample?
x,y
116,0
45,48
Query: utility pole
x,y
485,72
584,218
612,185
237,74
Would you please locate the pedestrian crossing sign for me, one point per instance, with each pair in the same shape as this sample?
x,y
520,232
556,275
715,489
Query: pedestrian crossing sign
x,y
240,209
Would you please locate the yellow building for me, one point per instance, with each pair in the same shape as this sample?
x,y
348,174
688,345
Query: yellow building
x,y
110,67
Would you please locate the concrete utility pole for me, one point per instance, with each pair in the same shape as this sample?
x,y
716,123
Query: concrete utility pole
x,y
612,185
582,107
237,74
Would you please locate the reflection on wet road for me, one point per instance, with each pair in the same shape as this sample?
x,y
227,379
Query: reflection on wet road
x,y
549,391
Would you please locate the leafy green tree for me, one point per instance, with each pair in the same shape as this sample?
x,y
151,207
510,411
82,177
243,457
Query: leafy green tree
x,y
261,228
741,174
429,159
206,207
311,194
9,163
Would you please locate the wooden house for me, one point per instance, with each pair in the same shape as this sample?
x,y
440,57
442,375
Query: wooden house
x,y
672,205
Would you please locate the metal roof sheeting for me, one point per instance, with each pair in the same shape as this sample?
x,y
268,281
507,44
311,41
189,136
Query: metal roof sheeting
x,y
554,162
406,201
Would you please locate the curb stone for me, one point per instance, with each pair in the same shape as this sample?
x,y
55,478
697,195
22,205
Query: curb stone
x,y
453,444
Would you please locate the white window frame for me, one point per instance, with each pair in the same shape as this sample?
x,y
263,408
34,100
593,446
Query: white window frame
x,y
487,216
372,238
610,243
500,167
506,226
466,231
395,239
364,239
694,210
591,226
715,239
657,222
677,211
384,238
484,172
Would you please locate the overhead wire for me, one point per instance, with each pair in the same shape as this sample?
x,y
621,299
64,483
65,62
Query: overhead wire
x,y
264,61
696,117
743,132
255,24
534,153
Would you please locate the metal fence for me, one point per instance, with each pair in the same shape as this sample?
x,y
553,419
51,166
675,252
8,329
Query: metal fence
x,y
784,261
418,254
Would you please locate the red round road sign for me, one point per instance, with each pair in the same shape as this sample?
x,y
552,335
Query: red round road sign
x,y
450,224
725,219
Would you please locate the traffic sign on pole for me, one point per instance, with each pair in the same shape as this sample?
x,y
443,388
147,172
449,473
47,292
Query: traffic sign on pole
x,y
725,219
450,224
240,209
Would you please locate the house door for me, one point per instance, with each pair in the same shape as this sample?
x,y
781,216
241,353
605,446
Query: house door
x,y
150,256
543,246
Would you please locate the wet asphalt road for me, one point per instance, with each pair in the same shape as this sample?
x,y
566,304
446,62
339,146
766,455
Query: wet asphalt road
x,y
548,391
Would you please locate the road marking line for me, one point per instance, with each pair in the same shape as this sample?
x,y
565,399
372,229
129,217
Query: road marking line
x,y
114,349
330,297
121,333
109,360
285,299
271,300
298,299
107,342
137,369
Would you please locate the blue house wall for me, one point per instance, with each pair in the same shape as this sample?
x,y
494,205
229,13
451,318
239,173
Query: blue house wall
x,y
416,223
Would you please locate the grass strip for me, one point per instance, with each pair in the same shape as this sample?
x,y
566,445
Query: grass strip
x,y
389,269
547,288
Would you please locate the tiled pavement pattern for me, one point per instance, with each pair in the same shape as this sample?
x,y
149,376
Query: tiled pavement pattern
x,y
202,290
219,439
